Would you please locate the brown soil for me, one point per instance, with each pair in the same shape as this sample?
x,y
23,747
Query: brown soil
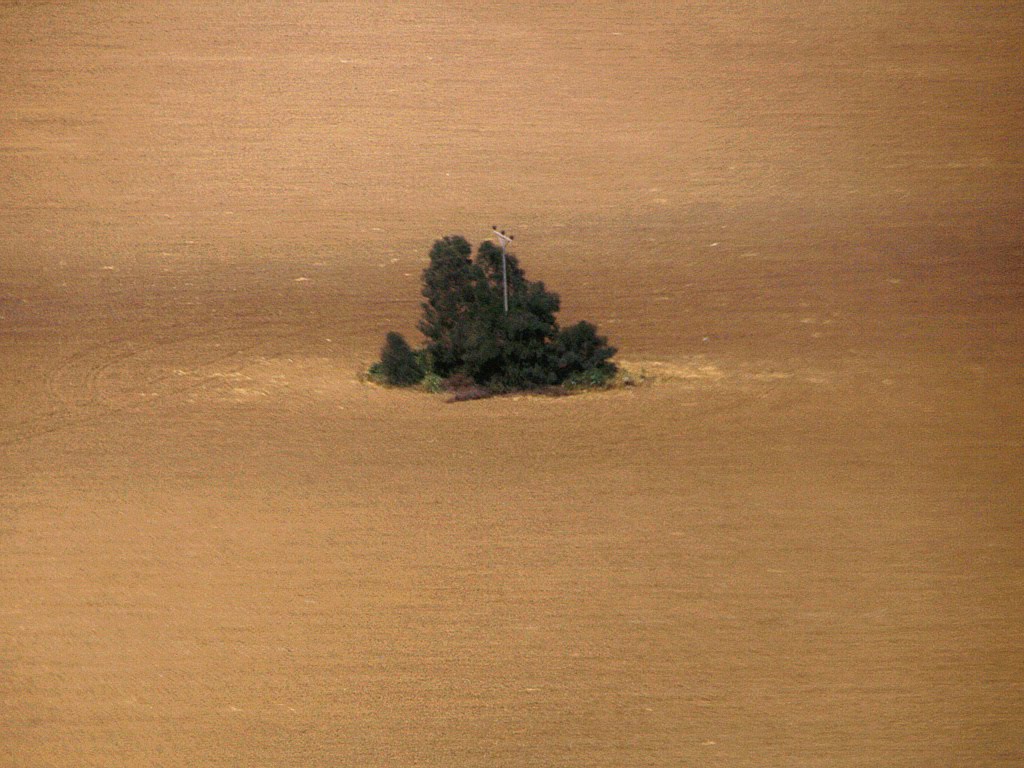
x,y
798,545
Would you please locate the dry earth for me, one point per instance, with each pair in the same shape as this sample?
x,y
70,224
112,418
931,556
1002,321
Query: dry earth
x,y
799,545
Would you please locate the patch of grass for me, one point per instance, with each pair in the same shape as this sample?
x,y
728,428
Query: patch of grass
x,y
592,378
627,378
433,383
461,388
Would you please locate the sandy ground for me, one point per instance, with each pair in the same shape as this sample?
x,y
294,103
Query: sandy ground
x,y
799,544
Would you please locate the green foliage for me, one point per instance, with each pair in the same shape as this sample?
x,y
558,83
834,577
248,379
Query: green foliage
x,y
595,378
376,373
433,383
399,365
451,284
470,337
582,355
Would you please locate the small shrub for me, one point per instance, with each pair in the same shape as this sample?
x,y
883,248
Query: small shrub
x,y
399,365
592,378
433,383
375,373
583,358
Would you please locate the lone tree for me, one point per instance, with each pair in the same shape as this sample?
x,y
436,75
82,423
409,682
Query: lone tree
x,y
470,335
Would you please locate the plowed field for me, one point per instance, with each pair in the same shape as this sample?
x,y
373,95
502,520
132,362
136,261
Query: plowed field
x,y
797,543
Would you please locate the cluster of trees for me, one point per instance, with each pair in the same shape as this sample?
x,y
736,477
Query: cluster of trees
x,y
470,337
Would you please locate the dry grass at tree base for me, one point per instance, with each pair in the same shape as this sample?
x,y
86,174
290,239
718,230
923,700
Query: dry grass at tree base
x,y
459,388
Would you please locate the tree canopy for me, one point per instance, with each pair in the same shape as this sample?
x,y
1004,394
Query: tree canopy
x,y
469,334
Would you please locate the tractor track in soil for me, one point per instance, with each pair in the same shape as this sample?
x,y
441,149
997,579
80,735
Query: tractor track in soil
x,y
104,378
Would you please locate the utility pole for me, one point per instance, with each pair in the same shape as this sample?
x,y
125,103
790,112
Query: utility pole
x,y
505,240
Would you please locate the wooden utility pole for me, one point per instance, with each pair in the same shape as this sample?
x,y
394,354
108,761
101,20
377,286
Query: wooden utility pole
x,y
505,240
